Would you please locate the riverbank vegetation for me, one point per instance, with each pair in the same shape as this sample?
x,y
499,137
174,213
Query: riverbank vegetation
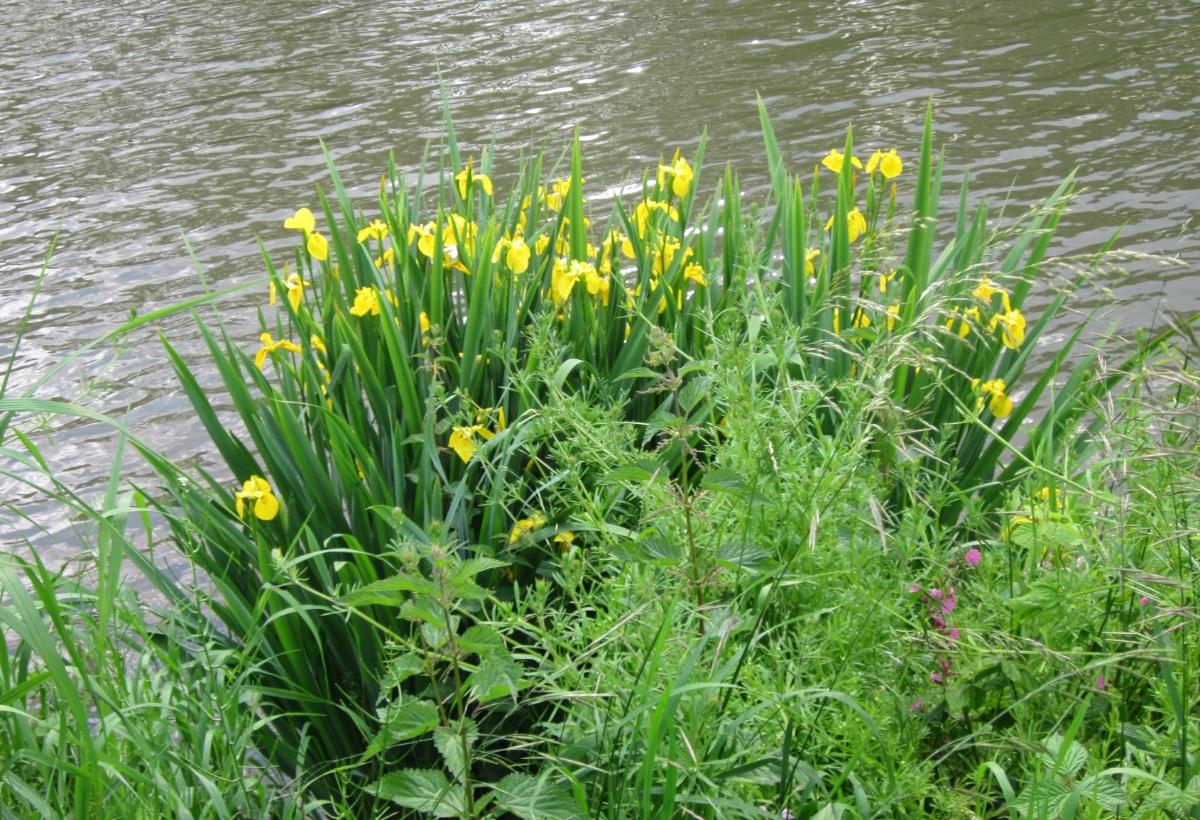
x,y
546,505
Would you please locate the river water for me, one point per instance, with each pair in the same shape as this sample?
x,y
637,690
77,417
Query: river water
x,y
127,125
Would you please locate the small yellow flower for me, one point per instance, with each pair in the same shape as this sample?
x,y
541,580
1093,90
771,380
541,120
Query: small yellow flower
x,y
318,247
888,163
992,392
810,257
387,258
1012,328
986,290
426,237
835,159
377,229
256,489
302,220
960,321
366,301
525,526
317,344
856,223
467,177
295,291
680,173
861,319
695,273
565,540
563,278
558,192
597,283
423,321
462,440
893,313
516,254
269,346
885,279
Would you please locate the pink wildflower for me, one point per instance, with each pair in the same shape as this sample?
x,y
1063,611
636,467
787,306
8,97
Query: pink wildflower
x,y
973,557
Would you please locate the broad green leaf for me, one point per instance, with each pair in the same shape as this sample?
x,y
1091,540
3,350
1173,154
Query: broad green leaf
x,y
424,790
536,798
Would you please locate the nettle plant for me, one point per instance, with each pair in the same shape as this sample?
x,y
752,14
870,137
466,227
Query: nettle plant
x,y
407,356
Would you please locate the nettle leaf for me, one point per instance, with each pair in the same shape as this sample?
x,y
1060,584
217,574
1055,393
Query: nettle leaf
x,y
640,473
481,640
450,745
390,591
1040,598
422,609
536,798
744,555
692,393
471,567
424,790
498,676
724,481
400,669
403,721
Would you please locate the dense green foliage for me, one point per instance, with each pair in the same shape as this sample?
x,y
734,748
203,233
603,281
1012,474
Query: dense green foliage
x,y
721,511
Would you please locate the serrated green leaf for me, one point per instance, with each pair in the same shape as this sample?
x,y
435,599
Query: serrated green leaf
x,y
498,676
400,669
744,555
1061,761
390,591
724,481
536,798
403,721
450,746
424,790
481,640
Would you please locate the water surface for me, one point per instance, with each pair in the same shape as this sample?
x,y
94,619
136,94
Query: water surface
x,y
128,125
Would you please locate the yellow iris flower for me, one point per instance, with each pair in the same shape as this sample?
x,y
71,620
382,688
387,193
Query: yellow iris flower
x,y
810,257
856,224
303,220
269,346
516,253
378,229
462,440
1012,328
256,489
597,284
466,177
295,291
680,173
889,164
992,393
318,246
834,161
366,301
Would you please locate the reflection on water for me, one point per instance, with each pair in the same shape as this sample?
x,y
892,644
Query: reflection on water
x,y
126,126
